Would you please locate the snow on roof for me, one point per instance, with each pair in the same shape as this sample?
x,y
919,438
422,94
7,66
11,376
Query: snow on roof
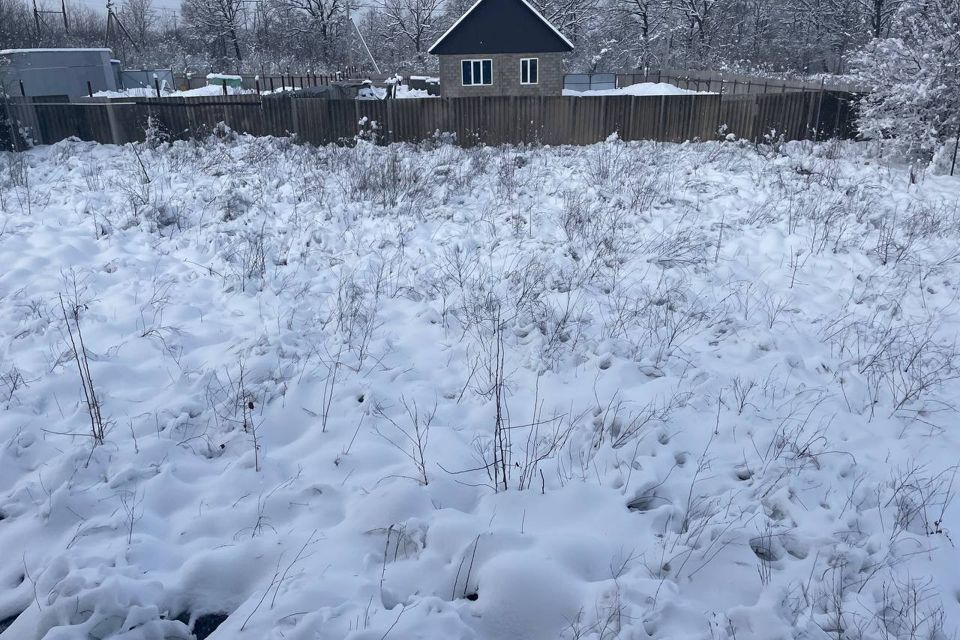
x,y
55,50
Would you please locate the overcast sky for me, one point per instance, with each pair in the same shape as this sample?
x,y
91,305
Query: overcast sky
x,y
101,5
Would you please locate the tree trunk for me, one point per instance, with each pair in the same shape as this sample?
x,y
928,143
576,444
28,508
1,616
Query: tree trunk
x,y
236,42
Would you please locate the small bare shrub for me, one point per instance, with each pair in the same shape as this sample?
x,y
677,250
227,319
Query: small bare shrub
x,y
411,435
71,320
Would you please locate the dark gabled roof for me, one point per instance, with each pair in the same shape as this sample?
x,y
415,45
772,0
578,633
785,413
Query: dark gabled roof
x,y
501,26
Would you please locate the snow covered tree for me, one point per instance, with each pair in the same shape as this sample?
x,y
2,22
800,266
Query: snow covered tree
x,y
880,15
915,81
322,21
16,29
410,24
635,33
221,20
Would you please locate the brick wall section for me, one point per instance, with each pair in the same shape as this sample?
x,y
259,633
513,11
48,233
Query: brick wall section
x,y
506,76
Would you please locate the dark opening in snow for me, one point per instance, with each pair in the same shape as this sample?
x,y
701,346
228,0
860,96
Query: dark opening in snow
x,y
6,622
204,625
646,502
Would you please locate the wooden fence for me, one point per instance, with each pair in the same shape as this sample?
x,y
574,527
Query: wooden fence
x,y
731,82
479,120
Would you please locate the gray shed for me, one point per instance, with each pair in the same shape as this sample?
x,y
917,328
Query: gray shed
x,y
56,72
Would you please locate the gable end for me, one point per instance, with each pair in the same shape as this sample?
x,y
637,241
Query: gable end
x,y
501,26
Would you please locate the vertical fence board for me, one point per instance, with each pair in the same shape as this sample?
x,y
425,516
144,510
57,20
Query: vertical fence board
x,y
489,120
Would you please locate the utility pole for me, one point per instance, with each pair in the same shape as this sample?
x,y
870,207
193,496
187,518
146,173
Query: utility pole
x,y
39,21
114,18
366,48
349,45
36,20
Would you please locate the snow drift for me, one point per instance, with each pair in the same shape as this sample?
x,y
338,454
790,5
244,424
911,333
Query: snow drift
x,y
620,391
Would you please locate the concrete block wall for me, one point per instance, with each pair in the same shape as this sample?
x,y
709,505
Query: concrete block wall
x,y
506,76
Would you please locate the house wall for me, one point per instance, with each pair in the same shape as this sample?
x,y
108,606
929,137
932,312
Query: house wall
x,y
506,76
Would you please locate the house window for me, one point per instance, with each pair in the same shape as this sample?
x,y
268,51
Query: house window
x,y
528,71
476,72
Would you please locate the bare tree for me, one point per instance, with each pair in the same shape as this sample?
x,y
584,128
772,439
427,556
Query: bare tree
x,y
572,17
880,15
138,17
410,23
221,19
320,19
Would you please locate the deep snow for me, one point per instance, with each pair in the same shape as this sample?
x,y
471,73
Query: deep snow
x,y
639,89
725,380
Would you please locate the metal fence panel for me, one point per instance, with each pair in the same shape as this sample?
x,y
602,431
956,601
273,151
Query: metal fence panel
x,y
476,120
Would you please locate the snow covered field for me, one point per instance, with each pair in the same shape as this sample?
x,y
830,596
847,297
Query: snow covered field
x,y
622,391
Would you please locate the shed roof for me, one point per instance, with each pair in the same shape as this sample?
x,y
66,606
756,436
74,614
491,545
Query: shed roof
x,y
7,52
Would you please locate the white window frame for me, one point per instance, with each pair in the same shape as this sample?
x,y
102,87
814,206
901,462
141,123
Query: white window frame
x,y
526,61
472,83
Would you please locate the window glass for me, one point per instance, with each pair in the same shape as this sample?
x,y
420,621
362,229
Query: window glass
x,y
474,72
528,71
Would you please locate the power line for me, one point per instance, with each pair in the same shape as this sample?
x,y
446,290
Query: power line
x,y
113,18
38,18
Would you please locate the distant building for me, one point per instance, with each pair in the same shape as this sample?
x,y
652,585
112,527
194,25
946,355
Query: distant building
x,y
501,47
57,72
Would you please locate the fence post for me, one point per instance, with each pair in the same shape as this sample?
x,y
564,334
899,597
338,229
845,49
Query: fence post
x,y
89,89
661,133
23,92
271,83
256,84
156,84
956,147
295,119
836,119
783,109
719,111
816,124
224,81
283,83
755,108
